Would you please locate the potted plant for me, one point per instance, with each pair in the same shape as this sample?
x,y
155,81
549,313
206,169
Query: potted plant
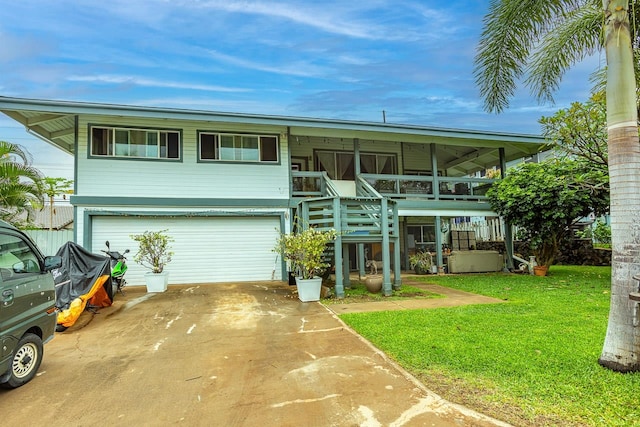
x,y
421,262
153,253
304,250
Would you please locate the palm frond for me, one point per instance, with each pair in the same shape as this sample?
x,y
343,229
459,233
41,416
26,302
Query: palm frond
x,y
19,194
21,185
569,41
16,171
512,28
9,149
18,199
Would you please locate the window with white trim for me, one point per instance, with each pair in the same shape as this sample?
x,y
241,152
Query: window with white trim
x,y
135,143
238,147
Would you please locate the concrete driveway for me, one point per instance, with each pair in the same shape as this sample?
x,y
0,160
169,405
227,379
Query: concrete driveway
x,y
246,354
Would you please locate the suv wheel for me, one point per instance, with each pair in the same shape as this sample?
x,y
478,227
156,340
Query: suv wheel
x,y
25,362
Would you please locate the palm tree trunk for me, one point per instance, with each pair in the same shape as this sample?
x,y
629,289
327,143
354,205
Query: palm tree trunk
x,y
622,341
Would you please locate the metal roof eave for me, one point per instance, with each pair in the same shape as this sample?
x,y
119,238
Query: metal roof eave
x,y
527,143
40,131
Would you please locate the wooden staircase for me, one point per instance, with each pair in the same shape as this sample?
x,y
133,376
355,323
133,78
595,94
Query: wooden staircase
x,y
365,218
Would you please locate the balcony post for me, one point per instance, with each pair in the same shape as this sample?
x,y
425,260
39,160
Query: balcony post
x,y
439,259
386,261
304,215
346,263
337,249
508,230
434,171
397,270
361,261
356,155
358,171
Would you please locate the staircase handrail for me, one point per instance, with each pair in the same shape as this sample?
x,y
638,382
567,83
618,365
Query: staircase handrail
x,y
363,186
330,188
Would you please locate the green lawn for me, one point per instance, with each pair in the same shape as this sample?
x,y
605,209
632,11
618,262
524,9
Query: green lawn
x,y
530,362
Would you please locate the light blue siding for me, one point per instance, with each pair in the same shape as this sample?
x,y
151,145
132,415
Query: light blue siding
x,y
185,178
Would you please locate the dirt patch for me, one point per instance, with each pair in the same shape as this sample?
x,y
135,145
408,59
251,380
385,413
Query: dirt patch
x,y
358,293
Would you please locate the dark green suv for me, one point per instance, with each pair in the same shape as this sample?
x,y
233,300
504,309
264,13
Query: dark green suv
x,y
27,306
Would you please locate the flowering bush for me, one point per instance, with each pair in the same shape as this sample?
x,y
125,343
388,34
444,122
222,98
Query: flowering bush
x,y
305,251
153,251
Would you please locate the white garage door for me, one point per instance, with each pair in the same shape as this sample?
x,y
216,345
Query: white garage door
x,y
206,250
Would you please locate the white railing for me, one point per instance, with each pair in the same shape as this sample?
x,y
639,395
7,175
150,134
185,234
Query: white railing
x,y
422,187
489,230
50,241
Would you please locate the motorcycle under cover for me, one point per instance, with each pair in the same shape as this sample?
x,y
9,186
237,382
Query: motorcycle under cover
x,y
84,277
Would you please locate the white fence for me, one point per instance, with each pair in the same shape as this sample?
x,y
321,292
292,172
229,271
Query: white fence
x,y
489,230
50,241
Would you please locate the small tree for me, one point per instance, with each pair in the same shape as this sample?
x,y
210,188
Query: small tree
x,y
153,251
580,131
602,233
52,188
305,251
545,199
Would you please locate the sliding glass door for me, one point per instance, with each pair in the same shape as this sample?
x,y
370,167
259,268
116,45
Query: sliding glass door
x,y
340,165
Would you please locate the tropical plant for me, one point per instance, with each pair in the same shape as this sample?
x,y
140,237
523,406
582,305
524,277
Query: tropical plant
x,y
602,233
52,188
20,184
587,233
304,250
543,39
580,131
153,250
544,199
421,261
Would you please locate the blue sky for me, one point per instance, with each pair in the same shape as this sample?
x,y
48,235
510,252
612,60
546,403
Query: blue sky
x,y
332,59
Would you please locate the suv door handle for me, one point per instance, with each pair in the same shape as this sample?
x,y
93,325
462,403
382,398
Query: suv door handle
x,y
7,297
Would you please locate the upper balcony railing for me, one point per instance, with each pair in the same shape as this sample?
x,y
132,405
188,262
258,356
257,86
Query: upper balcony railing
x,y
316,184
422,187
308,184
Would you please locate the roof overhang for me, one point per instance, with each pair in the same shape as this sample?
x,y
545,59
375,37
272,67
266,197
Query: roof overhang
x,y
54,121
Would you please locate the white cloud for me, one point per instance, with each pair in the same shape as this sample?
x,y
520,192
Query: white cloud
x,y
141,81
339,18
297,68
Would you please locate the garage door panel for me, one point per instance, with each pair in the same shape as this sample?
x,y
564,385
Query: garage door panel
x,y
219,249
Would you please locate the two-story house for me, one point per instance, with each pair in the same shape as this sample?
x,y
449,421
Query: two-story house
x,y
225,185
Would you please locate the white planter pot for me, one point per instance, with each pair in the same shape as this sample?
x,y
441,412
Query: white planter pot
x,y
309,289
157,282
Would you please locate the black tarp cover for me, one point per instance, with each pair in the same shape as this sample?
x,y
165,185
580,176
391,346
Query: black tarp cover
x,y
84,277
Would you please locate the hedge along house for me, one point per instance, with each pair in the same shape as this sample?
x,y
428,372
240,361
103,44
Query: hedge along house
x,y
225,185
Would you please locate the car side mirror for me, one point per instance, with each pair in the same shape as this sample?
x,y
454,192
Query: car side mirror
x,y
52,262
